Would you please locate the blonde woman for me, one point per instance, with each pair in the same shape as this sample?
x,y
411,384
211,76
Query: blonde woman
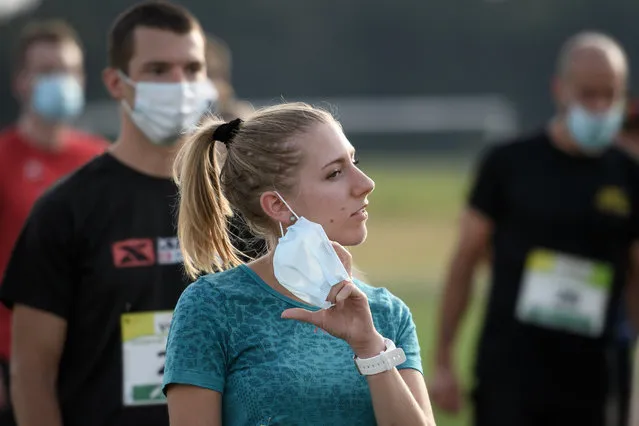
x,y
244,346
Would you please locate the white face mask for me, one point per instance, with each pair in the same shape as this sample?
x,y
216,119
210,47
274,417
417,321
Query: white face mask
x,y
163,111
305,262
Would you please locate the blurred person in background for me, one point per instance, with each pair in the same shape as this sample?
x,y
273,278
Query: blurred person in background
x,y
634,397
228,107
560,211
628,139
41,147
244,347
219,69
97,269
620,361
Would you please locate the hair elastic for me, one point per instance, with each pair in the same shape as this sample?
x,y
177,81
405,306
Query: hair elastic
x,y
225,132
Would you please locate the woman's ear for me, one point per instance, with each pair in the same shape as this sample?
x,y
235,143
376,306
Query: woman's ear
x,y
276,209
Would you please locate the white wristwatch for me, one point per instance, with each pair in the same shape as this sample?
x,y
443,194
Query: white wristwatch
x,y
385,361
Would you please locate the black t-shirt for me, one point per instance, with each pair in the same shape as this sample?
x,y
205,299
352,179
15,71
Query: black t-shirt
x,y
99,245
542,198
249,246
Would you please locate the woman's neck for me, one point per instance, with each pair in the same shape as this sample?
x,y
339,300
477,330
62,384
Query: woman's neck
x,y
263,267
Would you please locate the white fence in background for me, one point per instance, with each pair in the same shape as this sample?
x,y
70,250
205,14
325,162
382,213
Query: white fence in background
x,y
10,9
492,116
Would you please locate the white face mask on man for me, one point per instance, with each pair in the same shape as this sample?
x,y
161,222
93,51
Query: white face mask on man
x,y
163,111
305,262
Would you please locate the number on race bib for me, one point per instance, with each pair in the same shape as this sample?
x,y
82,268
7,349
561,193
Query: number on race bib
x,y
564,292
144,338
162,355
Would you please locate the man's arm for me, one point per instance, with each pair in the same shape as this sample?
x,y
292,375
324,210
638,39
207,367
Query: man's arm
x,y
632,287
474,239
38,287
634,397
37,342
485,205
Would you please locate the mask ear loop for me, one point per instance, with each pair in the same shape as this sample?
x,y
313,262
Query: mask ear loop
x,y
289,208
126,78
286,204
129,109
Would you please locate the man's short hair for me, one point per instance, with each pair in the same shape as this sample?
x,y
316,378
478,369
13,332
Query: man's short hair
x,y
590,39
42,31
156,14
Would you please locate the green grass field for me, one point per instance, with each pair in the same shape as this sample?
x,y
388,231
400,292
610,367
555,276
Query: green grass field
x,y
413,220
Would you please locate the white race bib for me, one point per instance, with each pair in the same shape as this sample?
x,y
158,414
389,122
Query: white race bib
x,y
564,292
144,336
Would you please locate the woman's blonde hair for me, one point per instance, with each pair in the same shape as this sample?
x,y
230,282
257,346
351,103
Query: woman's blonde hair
x,y
261,156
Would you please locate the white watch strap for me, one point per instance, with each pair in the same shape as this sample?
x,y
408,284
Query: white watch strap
x,y
385,361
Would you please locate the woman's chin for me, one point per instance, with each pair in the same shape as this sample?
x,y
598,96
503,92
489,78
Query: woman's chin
x,y
352,238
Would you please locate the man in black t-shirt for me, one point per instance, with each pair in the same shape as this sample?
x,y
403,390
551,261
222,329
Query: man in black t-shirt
x,y
96,271
628,140
559,211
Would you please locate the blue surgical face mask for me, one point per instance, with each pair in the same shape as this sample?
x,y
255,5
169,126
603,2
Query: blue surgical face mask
x,y
57,97
594,132
305,262
164,111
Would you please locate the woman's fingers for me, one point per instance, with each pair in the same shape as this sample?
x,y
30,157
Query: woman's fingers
x,y
303,315
345,292
334,291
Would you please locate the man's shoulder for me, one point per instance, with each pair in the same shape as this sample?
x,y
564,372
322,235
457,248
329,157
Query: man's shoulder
x,y
8,133
86,181
8,138
623,156
84,142
620,159
520,144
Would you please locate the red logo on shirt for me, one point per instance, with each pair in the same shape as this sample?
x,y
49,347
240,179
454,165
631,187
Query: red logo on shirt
x,y
133,253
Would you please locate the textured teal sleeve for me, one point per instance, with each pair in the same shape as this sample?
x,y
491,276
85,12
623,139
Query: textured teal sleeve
x,y
196,352
407,339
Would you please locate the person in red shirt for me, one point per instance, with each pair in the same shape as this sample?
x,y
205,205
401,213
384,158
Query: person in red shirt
x,y
41,147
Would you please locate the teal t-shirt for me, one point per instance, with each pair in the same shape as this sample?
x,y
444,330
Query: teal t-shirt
x,y
227,335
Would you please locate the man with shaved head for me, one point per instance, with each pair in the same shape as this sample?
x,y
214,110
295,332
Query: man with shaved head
x,y
559,211
628,139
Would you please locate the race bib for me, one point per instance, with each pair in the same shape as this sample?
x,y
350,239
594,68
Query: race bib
x,y
144,336
564,292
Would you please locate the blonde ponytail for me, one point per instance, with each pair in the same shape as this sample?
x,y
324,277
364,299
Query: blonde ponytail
x,y
203,211
261,155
